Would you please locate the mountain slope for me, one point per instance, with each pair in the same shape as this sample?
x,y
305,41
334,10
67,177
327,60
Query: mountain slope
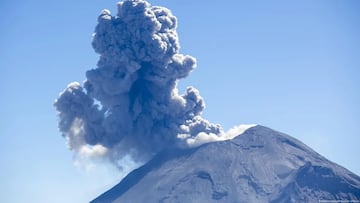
x,y
261,165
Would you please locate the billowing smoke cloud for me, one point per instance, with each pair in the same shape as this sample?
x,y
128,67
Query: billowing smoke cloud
x,y
130,103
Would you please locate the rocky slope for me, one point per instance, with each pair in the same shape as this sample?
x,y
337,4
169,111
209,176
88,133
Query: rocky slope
x,y
261,165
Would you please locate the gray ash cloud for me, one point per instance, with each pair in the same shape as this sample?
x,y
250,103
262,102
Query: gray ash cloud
x,y
129,104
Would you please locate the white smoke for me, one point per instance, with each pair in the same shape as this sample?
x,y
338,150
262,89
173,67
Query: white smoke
x,y
129,104
203,138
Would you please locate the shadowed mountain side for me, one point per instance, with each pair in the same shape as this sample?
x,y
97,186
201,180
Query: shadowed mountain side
x,y
135,176
261,165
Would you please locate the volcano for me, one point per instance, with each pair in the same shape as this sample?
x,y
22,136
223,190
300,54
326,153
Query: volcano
x,y
260,165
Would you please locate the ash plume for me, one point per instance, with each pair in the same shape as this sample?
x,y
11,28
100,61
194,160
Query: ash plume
x,y
129,103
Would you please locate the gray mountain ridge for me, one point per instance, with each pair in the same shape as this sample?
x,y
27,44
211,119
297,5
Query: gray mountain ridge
x,y
260,165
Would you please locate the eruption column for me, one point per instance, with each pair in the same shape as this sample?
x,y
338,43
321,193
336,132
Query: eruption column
x,y
129,104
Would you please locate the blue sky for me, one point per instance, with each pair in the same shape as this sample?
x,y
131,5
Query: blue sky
x,y
290,65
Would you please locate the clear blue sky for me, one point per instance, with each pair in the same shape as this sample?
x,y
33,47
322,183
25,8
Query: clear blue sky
x,y
293,66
